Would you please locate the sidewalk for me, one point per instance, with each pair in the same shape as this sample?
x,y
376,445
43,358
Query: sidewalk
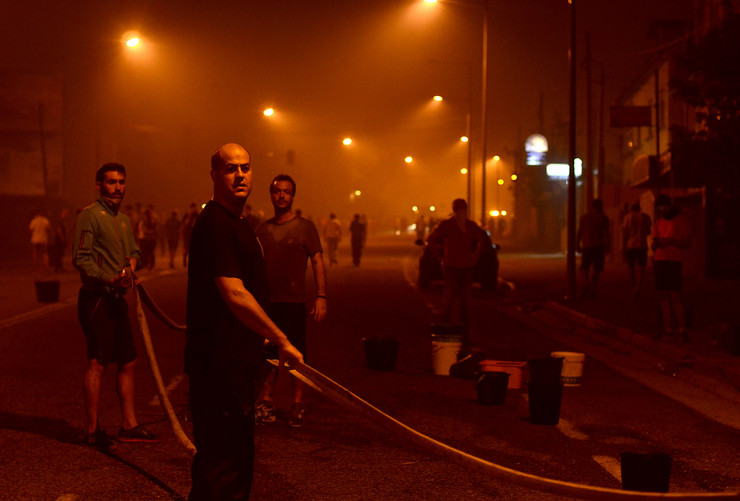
x,y
713,316
18,292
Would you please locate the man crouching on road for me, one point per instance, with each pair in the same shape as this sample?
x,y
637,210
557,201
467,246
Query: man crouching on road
x,y
227,326
104,247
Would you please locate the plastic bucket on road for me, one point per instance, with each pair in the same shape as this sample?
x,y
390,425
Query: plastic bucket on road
x,y
544,403
491,388
380,353
545,370
646,472
444,352
514,369
545,390
47,291
572,367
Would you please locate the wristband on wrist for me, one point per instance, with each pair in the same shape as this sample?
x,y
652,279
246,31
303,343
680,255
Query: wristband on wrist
x,y
321,296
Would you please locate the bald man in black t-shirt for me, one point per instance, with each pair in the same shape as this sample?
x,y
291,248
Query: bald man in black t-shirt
x,y
227,327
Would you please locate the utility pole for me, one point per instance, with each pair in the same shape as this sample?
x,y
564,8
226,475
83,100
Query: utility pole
x,y
571,257
589,170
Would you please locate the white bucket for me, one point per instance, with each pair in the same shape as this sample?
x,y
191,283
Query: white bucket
x,y
572,367
444,353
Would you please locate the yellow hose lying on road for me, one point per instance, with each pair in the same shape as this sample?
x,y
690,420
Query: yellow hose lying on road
x,y
157,376
346,398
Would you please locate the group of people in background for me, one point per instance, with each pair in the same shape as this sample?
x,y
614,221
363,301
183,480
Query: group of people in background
x,y
671,235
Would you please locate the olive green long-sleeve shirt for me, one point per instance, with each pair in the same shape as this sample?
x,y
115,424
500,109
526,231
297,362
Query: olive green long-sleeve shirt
x,y
103,241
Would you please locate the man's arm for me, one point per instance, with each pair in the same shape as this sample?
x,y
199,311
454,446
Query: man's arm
x,y
319,274
249,312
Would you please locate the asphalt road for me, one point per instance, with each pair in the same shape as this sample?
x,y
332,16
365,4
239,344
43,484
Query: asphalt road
x,y
339,454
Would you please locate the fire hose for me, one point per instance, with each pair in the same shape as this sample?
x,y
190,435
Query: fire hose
x,y
346,398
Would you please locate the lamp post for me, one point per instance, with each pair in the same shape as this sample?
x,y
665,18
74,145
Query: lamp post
x,y
571,256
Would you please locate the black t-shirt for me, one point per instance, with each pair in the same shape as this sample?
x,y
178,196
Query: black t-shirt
x,y
220,352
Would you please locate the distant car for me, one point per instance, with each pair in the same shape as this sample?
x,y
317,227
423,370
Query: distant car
x,y
485,272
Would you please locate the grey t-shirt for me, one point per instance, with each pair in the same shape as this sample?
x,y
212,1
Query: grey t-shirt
x,y
287,247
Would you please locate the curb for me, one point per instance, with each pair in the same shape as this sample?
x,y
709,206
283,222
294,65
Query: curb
x,y
675,357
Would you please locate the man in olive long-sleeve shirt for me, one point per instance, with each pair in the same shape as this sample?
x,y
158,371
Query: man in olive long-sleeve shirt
x,y
104,247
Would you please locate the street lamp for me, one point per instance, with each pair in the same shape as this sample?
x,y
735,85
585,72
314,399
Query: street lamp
x,y
408,159
347,141
268,112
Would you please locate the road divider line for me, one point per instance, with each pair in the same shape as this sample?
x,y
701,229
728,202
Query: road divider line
x,y
169,389
612,466
566,428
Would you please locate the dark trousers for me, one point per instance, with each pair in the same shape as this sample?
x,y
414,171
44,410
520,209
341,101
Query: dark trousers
x,y
223,433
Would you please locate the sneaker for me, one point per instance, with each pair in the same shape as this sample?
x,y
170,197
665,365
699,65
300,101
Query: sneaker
x,y
296,416
137,434
684,336
264,412
100,440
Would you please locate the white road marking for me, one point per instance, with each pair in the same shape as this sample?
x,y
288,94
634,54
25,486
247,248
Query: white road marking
x,y
611,465
168,390
566,428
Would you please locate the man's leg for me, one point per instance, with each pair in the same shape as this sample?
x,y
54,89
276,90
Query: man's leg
x,y
466,299
448,294
125,388
678,310
640,278
594,281
93,376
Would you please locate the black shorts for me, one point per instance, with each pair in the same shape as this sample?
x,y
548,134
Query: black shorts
x,y
668,275
593,256
291,319
105,322
637,256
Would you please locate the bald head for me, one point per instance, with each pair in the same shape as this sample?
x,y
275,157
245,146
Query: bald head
x,y
226,152
231,172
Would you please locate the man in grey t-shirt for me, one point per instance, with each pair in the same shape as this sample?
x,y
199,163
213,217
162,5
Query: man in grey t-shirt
x,y
288,242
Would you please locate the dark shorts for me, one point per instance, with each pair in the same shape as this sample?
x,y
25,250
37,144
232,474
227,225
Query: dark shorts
x,y
668,275
593,256
105,322
637,256
291,319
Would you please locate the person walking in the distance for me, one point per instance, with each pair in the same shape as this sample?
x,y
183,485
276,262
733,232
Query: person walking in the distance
x,y
188,221
635,230
457,242
226,330
172,229
671,236
594,242
40,228
289,241
104,248
332,235
357,233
